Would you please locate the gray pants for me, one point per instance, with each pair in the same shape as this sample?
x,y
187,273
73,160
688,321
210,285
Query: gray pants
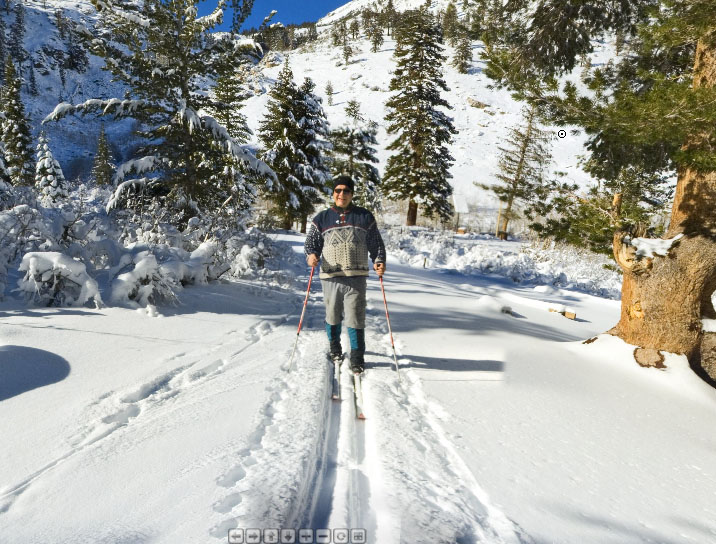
x,y
345,296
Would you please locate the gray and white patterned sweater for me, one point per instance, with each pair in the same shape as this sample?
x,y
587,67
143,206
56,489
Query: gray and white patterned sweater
x,y
344,239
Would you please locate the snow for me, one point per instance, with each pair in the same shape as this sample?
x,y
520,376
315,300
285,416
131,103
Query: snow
x,y
648,247
505,427
173,416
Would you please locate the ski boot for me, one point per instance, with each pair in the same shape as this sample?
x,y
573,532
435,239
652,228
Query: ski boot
x,y
336,352
357,362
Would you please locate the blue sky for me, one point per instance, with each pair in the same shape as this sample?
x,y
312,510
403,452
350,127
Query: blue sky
x,y
289,11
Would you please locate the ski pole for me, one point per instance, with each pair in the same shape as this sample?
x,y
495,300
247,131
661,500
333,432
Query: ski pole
x,y
300,323
390,330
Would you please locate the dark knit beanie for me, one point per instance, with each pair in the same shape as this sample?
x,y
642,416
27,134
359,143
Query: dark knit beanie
x,y
344,180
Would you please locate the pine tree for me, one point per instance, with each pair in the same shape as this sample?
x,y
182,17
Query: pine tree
x,y
76,58
292,134
463,54
7,196
3,49
60,23
419,169
450,23
15,130
33,80
103,169
17,35
164,54
329,93
354,155
354,29
522,164
240,11
230,92
389,16
347,52
49,180
631,120
375,34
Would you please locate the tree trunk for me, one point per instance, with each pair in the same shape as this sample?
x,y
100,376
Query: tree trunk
x,y
287,222
505,219
664,299
412,213
304,222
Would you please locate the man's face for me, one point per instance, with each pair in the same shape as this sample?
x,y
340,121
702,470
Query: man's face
x,y
342,196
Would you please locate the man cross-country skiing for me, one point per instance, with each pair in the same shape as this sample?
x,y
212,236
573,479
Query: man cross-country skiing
x,y
344,235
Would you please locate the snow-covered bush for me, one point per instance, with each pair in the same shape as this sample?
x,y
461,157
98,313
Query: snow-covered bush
x,y
155,276
559,265
54,279
254,255
144,284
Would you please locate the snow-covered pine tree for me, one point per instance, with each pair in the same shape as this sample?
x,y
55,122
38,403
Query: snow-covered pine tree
x,y
316,144
6,193
230,92
17,35
164,54
15,130
294,135
103,168
523,160
354,155
50,182
463,53
419,169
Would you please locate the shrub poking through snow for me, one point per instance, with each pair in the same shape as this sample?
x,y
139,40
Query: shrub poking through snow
x,y
54,279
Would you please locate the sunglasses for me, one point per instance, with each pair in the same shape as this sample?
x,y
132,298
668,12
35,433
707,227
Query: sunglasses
x,y
339,191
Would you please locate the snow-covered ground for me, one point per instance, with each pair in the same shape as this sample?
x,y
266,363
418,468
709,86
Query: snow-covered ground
x,y
504,427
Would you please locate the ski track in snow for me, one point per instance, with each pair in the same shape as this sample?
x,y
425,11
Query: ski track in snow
x,y
276,481
310,462
116,410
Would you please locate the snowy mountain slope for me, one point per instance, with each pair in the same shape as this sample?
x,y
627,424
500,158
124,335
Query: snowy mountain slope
x,y
481,115
355,7
73,141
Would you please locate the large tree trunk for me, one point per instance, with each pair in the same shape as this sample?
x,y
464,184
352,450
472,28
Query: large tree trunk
x,y
412,213
664,299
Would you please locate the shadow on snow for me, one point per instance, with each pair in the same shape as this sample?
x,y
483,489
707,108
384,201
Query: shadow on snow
x,y
23,369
